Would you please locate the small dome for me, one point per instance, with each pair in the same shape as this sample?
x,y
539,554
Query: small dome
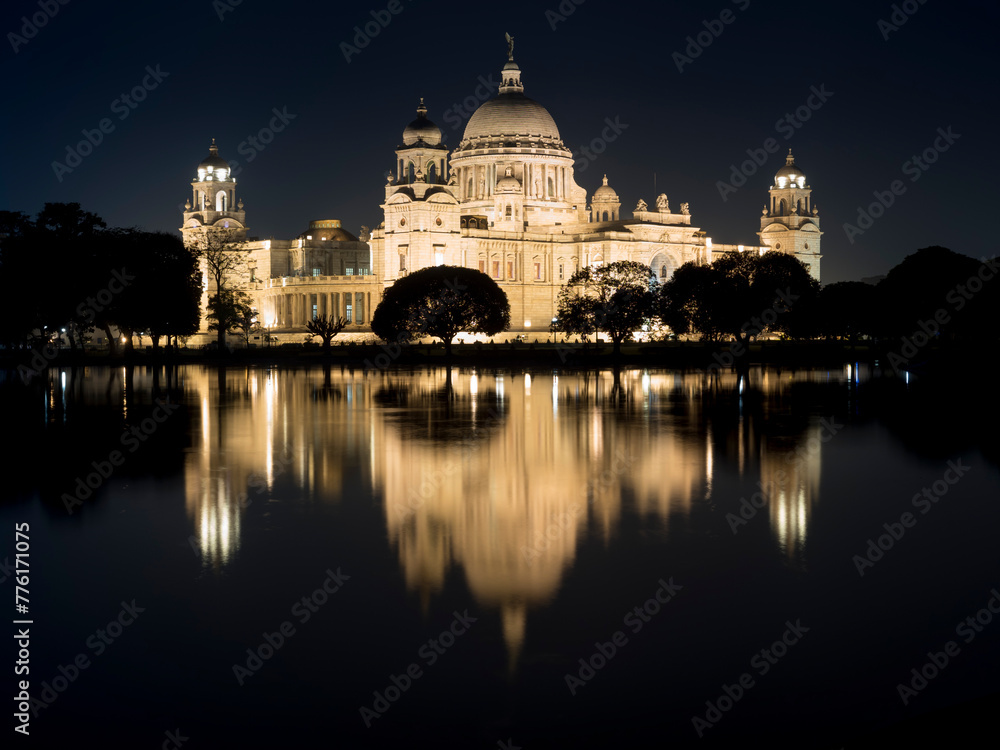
x,y
790,174
422,129
509,185
213,162
605,192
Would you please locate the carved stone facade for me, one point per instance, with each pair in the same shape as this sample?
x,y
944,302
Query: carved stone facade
x,y
506,202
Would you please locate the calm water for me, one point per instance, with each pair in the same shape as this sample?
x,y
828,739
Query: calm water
x,y
478,535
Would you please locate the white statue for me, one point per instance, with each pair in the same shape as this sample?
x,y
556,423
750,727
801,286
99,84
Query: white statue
x,y
686,209
641,205
662,204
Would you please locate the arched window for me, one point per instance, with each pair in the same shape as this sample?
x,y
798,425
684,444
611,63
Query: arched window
x,y
221,201
411,176
432,173
663,271
799,205
782,207
509,213
605,215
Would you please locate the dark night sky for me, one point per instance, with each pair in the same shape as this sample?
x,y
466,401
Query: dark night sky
x,y
606,60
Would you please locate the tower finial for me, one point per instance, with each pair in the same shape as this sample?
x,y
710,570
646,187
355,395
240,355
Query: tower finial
x,y
422,109
605,180
510,47
789,160
213,149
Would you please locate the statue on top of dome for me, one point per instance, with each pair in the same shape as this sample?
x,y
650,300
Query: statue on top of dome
x,y
510,48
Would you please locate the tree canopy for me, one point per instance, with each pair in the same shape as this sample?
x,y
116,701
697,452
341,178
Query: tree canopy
x,y
616,298
441,301
741,295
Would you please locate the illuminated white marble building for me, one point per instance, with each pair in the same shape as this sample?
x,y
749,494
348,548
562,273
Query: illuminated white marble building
x,y
505,201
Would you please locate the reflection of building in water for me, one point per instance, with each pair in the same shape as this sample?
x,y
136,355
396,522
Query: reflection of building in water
x,y
503,476
789,475
261,428
509,497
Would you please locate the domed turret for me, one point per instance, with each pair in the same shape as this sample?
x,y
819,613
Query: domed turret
x,y
790,175
606,204
605,192
422,129
509,183
213,166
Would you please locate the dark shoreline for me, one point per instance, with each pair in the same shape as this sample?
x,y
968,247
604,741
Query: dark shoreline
x,y
936,359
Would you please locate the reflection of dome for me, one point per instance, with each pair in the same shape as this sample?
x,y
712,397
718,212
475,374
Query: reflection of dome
x,y
213,162
422,129
790,172
606,192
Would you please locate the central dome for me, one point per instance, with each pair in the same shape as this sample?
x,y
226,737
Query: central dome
x,y
512,115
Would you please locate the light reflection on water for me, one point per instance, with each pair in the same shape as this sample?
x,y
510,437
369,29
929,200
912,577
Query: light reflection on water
x,y
500,477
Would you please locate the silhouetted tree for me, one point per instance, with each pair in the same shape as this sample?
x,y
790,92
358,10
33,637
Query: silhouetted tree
x,y
326,328
742,295
441,301
847,310
688,300
617,298
935,282
224,254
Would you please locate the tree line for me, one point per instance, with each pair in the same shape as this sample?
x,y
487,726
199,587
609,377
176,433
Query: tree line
x,y
65,272
934,293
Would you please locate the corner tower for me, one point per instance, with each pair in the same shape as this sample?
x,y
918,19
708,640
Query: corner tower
x,y
790,221
213,201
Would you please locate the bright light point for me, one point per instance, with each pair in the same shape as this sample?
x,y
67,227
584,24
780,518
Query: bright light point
x,y
527,324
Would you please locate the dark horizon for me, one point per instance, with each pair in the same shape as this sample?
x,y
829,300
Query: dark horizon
x,y
888,95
